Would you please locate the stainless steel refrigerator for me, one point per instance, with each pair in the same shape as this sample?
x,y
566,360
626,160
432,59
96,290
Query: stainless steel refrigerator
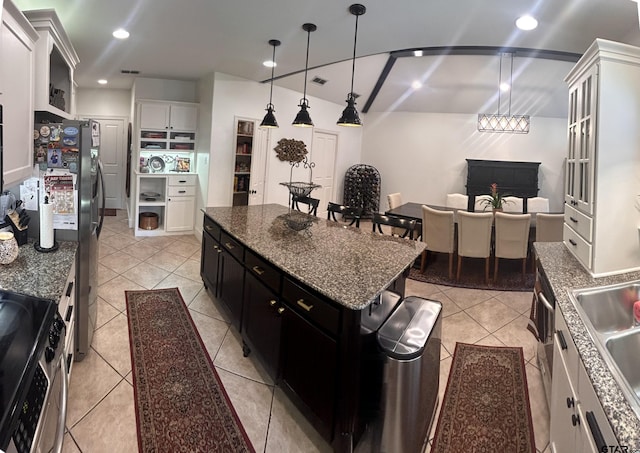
x,y
77,151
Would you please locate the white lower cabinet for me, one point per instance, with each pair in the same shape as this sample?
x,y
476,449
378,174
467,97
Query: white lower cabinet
x,y
578,423
165,204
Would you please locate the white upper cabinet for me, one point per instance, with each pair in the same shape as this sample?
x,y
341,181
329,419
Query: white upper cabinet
x,y
168,116
602,186
56,61
17,41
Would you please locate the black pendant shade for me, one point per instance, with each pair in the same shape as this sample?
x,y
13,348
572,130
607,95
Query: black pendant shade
x,y
302,118
350,115
269,120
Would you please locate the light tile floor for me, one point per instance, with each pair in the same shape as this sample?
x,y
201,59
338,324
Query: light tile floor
x,y
101,409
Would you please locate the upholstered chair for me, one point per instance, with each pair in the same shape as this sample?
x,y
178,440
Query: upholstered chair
x,y
511,239
549,227
457,201
474,238
513,204
537,204
482,203
438,229
395,200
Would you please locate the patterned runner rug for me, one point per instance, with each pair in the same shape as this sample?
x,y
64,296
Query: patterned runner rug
x,y
472,275
486,403
181,405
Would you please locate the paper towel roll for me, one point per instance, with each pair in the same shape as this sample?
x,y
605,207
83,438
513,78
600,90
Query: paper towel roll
x,y
46,225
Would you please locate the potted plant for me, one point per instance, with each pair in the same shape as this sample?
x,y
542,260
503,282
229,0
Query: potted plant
x,y
495,199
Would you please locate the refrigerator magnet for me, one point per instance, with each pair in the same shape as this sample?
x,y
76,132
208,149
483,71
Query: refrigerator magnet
x,y
44,131
54,134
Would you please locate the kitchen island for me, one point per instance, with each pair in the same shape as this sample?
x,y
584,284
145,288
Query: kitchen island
x,y
299,297
565,273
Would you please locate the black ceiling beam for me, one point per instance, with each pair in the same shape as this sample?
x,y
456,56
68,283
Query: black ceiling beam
x,y
524,52
381,79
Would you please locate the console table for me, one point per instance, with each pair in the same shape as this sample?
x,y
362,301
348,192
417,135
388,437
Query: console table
x,y
518,179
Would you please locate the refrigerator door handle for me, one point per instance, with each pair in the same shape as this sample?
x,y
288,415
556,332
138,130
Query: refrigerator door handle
x,y
104,200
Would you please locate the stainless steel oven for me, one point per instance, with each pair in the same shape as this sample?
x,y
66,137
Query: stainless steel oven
x,y
33,379
545,311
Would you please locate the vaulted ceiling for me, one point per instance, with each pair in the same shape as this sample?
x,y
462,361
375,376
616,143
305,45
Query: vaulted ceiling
x,y
190,38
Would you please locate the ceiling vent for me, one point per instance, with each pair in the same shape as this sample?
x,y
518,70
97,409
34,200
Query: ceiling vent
x,y
319,80
129,71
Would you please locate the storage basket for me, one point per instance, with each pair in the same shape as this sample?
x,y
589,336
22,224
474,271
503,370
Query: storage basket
x,y
148,220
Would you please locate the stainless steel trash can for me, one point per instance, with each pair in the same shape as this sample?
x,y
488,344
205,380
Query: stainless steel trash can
x,y
410,341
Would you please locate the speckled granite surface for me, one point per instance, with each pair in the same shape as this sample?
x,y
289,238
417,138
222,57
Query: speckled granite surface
x,y
565,273
39,274
348,265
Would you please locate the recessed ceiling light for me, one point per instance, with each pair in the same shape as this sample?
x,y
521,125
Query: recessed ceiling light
x,y
526,23
417,53
504,86
416,84
121,33
269,64
102,81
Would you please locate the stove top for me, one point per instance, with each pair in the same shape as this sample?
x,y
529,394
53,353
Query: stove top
x,y
24,329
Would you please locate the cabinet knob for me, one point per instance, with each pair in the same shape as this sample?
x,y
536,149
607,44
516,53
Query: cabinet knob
x,y
570,402
575,420
272,303
280,310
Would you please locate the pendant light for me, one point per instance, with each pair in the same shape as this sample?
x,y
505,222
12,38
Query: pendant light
x,y
302,118
269,120
350,115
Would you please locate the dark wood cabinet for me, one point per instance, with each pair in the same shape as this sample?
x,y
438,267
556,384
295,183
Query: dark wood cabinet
x,y
310,370
210,262
261,322
231,283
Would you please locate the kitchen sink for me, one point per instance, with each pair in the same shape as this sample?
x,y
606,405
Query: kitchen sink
x,y
607,313
610,308
624,352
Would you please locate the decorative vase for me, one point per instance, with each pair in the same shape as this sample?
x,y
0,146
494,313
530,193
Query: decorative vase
x,y
497,210
8,248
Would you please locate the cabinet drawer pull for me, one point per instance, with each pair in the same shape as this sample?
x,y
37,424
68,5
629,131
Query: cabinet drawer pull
x,y
69,289
573,220
595,431
563,342
182,181
572,242
208,228
272,303
301,303
258,270
229,245
67,316
182,191
280,310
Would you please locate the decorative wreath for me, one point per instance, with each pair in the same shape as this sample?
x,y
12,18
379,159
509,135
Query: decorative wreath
x,y
290,150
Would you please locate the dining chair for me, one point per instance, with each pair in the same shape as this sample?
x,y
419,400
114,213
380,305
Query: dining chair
x,y
474,238
511,239
395,200
312,204
438,233
347,212
537,204
457,200
549,227
482,203
405,226
513,204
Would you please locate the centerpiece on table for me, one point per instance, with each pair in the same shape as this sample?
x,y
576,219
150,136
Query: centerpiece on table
x,y
495,199
295,152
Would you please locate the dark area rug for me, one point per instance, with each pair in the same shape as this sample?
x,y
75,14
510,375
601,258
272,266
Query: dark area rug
x,y
181,405
486,403
472,275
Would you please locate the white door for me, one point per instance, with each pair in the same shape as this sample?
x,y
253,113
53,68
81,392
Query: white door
x,y
258,166
113,157
323,154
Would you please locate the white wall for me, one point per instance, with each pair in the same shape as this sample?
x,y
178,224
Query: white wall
x,y
233,97
422,155
203,143
103,102
165,90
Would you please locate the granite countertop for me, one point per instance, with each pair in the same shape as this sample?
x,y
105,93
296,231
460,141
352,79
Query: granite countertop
x,y
39,274
565,273
346,264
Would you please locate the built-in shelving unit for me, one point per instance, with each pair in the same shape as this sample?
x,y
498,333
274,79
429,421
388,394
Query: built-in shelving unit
x,y
244,137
